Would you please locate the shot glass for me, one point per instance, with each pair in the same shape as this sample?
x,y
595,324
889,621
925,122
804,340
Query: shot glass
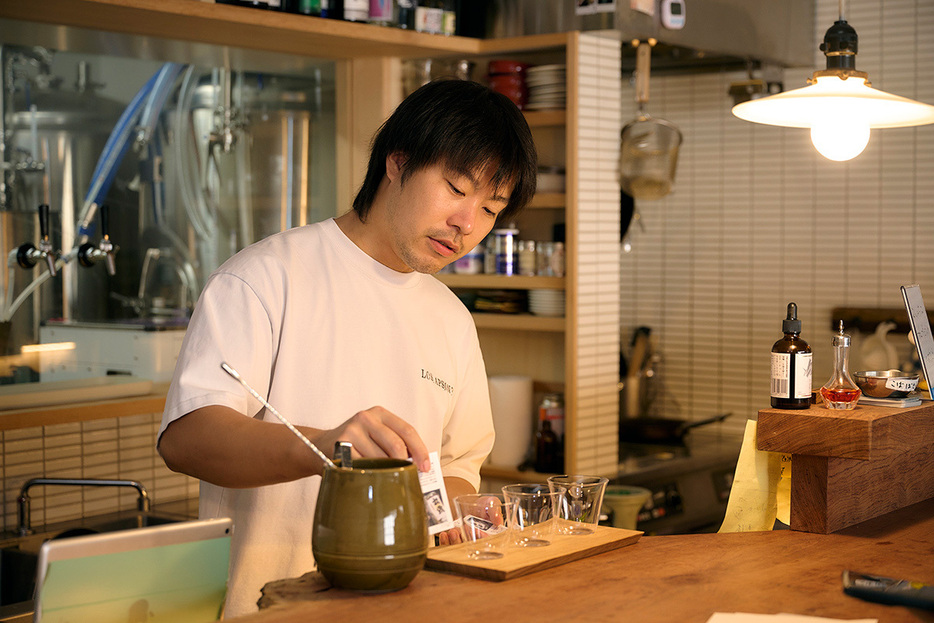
x,y
578,508
486,522
535,512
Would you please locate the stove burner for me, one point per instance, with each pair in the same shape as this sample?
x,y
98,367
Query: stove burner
x,y
689,482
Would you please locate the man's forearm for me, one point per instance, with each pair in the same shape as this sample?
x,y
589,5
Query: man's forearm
x,y
218,445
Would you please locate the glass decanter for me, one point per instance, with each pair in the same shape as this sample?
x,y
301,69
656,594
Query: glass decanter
x,y
840,392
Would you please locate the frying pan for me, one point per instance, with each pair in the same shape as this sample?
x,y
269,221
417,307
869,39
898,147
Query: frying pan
x,y
661,430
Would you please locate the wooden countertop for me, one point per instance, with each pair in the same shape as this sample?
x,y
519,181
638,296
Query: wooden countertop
x,y
154,402
684,578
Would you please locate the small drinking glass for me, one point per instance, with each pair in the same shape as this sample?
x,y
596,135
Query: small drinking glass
x,y
535,512
486,521
578,508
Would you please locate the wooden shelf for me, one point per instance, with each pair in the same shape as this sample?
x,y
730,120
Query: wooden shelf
x,y
548,200
501,282
545,118
246,28
519,322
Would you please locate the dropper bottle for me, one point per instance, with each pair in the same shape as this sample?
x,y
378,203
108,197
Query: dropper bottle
x,y
840,392
791,366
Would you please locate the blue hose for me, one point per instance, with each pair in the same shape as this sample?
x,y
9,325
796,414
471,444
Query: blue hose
x,y
127,118
147,103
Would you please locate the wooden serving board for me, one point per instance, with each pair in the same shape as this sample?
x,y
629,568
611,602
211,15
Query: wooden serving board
x,y
27,395
519,561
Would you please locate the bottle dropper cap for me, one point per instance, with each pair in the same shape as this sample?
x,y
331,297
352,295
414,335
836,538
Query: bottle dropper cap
x,y
841,338
791,324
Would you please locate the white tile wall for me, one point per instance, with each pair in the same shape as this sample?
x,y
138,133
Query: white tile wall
x,y
116,448
596,278
758,218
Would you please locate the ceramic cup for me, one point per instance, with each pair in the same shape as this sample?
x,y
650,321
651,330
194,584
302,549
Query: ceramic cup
x,y
486,521
535,512
625,502
370,529
578,509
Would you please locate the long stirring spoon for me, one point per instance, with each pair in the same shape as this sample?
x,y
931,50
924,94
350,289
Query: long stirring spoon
x,y
321,455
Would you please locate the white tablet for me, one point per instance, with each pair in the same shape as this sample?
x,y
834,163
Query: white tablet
x,y
172,573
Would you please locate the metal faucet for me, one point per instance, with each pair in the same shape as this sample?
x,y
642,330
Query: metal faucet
x,y
88,254
27,255
25,527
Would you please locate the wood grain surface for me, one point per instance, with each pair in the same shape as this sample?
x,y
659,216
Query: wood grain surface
x,y
683,578
520,561
828,494
863,433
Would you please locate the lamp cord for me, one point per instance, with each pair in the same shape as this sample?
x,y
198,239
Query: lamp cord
x,y
842,5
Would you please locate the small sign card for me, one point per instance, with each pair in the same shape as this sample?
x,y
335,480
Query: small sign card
x,y
921,330
436,497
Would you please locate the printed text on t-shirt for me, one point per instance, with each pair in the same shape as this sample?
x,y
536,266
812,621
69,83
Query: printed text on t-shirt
x,y
439,382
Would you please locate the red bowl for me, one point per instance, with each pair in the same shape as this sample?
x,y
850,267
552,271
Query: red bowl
x,y
507,67
506,82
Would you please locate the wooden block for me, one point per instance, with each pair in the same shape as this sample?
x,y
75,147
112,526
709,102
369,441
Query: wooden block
x,y
865,432
829,494
850,466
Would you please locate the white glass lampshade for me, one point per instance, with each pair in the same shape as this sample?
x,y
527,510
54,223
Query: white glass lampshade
x,y
839,112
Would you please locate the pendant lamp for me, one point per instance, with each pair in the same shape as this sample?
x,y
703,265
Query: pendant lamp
x,y
839,105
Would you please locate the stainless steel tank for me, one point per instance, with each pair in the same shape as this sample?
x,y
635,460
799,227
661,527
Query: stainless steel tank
x,y
246,174
54,136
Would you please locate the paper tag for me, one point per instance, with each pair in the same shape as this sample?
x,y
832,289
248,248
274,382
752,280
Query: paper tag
x,y
485,527
436,497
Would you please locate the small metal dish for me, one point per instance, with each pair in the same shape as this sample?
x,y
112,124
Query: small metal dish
x,y
886,383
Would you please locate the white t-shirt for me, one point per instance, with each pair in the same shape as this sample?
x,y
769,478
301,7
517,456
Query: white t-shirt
x,y
323,331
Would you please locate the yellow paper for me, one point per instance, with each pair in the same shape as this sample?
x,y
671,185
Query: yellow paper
x,y
761,488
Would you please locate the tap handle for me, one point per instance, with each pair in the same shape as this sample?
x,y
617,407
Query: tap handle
x,y
105,221
44,221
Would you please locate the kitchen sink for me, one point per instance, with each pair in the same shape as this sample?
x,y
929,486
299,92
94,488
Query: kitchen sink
x,y
19,554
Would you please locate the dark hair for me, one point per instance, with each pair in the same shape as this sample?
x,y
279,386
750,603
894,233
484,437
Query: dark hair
x,y
466,127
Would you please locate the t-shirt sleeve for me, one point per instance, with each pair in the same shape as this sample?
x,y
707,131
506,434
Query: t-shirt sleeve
x,y
468,435
229,325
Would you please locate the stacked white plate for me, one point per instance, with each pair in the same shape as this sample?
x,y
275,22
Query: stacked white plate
x,y
547,87
546,302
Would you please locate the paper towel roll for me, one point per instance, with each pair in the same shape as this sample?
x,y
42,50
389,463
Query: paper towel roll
x,y
511,401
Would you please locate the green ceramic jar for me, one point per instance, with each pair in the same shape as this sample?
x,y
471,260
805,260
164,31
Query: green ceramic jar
x,y
370,530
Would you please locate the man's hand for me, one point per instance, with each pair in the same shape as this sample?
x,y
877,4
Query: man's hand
x,y
373,433
221,446
485,507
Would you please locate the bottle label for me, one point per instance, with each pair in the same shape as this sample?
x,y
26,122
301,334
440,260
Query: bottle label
x,y
791,375
380,10
554,415
356,10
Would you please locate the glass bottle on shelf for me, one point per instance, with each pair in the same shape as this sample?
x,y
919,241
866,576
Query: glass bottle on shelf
x,y
405,17
448,17
840,392
356,10
382,12
791,366
549,445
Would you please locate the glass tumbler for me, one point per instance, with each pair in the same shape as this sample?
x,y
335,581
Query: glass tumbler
x,y
486,521
578,508
535,512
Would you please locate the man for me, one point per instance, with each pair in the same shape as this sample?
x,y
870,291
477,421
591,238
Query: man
x,y
340,325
